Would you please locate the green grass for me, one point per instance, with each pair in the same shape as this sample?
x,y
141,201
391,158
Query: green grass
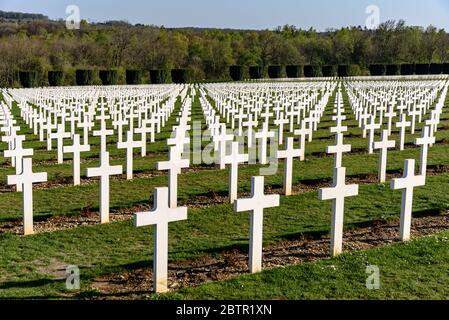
x,y
415,270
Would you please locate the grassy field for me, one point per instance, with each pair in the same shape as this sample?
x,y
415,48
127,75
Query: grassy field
x,y
27,263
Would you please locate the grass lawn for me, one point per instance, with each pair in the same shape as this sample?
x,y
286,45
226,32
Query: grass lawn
x,y
414,270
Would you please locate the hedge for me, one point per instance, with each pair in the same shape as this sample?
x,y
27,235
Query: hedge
x,y
312,71
236,73
407,69
28,79
436,68
255,72
179,75
393,69
377,69
343,70
108,77
84,77
446,68
133,77
329,71
55,78
275,72
160,76
422,68
293,71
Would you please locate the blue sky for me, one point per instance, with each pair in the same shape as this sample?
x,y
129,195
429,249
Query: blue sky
x,y
245,14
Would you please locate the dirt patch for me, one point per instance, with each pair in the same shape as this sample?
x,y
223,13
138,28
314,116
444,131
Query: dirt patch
x,y
137,283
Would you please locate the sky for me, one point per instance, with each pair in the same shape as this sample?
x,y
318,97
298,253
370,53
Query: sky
x,y
242,14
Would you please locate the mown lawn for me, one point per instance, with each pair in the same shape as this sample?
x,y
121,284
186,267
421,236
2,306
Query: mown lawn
x,y
414,270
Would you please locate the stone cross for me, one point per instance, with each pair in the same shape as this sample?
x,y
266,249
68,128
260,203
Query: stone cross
x,y
174,166
76,149
408,182
26,179
160,216
104,172
338,149
59,136
371,128
129,145
17,155
425,141
337,193
234,159
403,124
383,145
288,154
263,135
256,204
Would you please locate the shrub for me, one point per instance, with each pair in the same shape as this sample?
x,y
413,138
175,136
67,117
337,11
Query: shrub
x,y
422,68
275,72
407,69
28,79
354,70
293,71
84,77
255,72
133,77
329,71
160,76
311,71
179,76
108,77
236,73
377,69
55,78
436,68
393,69
445,68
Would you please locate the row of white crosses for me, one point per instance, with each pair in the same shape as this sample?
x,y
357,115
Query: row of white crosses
x,y
408,102
165,208
24,177
339,190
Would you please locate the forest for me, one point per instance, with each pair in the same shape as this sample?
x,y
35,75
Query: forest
x,y
42,45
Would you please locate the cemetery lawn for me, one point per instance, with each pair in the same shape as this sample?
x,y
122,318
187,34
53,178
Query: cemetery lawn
x,y
414,270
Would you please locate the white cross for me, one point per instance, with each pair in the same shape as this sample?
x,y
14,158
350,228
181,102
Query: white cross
x,y
222,140
337,193
302,139
59,136
249,124
425,141
402,125
408,182
174,166
104,172
371,128
383,145
160,216
129,145
256,204
103,133
338,149
288,154
16,156
76,149
234,159
263,135
26,179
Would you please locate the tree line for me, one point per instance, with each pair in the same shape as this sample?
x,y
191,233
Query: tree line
x,y
41,46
